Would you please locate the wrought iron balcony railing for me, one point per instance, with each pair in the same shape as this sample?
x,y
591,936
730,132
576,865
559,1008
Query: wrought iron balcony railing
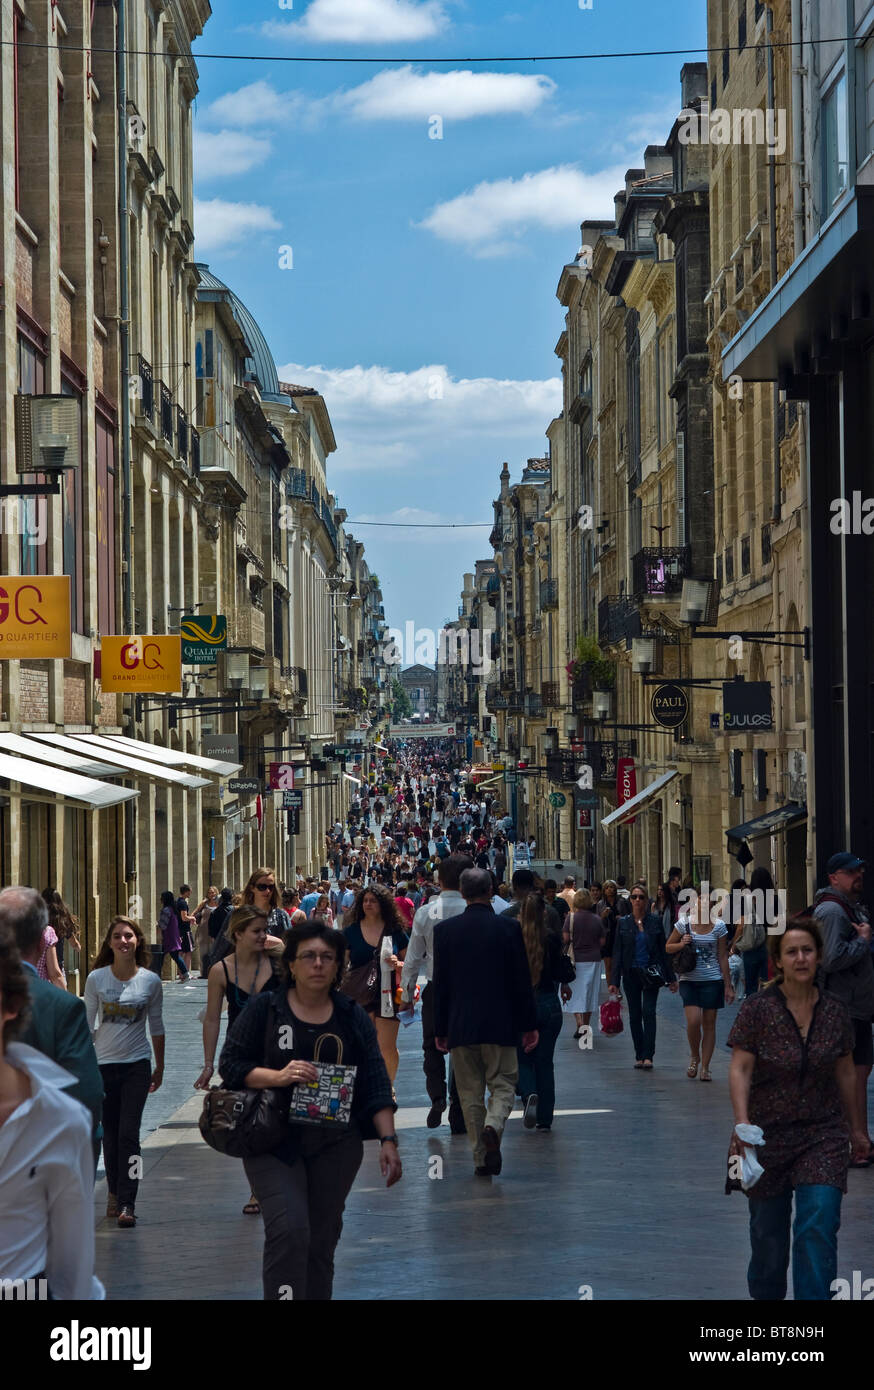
x,y
659,571
549,595
618,620
551,694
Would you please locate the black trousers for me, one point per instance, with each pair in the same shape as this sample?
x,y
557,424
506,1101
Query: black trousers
x,y
125,1086
434,1061
641,1016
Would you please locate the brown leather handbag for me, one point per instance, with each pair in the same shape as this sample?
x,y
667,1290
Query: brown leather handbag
x,y
244,1124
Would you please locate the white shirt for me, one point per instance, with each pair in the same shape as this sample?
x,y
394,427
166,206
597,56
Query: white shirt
x,y
117,1011
501,904
47,1183
420,952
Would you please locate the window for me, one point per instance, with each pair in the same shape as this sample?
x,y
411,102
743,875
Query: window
x,y
106,528
33,511
834,144
725,63
745,555
71,505
729,566
742,25
869,96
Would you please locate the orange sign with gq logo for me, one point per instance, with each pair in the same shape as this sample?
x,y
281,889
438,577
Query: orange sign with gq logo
x,y
145,665
34,616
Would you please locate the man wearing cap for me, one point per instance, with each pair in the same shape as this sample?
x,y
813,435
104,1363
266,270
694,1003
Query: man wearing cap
x,y
847,966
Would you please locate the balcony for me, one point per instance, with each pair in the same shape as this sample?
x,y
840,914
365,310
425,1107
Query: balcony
x,y
551,694
562,767
618,621
659,571
533,705
516,701
495,699
166,413
146,388
548,595
297,482
519,625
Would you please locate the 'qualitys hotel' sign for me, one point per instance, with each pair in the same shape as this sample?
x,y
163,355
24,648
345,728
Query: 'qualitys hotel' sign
x,y
203,638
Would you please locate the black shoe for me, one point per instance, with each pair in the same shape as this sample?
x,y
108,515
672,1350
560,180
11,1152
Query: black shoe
x,y
481,1173
492,1142
545,1127
435,1114
578,1034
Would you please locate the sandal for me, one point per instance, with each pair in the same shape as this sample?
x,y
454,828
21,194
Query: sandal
x,y
705,1075
647,1066
638,1066
252,1208
692,1069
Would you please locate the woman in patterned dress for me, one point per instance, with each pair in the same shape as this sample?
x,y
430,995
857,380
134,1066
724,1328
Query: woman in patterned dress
x,y
792,1075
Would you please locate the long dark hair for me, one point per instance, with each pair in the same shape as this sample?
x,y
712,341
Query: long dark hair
x,y
392,921
65,923
532,916
143,955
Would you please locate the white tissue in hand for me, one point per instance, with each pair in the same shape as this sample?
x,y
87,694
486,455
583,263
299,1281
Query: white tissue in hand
x,y
751,1137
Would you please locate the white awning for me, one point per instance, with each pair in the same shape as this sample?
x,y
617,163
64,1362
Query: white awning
x,y
41,753
637,803
350,778
83,791
170,757
124,763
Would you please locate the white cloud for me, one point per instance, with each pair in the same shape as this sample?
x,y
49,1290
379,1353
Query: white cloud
x,y
363,21
388,421
402,94
491,219
224,226
256,104
226,152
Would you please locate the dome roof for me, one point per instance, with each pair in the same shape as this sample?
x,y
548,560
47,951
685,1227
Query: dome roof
x,y
260,362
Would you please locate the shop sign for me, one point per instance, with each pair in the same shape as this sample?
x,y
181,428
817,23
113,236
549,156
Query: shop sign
x,y
746,706
669,706
34,617
144,665
626,783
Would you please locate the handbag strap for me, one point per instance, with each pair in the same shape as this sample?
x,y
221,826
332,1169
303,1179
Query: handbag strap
x,y
318,1047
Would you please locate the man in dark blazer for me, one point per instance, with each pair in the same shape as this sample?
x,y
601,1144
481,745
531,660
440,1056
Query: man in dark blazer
x,y
483,1005
58,1026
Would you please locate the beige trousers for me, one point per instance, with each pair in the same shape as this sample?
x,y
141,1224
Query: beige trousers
x,y
475,1068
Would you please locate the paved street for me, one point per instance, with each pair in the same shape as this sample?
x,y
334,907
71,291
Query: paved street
x,y
625,1194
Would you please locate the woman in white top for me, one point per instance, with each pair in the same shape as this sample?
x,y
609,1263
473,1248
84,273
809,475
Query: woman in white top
x,y
46,1162
120,994
705,989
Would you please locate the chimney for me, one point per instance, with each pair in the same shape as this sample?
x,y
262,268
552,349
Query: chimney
x,y
693,83
657,160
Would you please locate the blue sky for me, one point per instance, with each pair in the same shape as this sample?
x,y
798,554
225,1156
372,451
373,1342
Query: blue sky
x,y
421,295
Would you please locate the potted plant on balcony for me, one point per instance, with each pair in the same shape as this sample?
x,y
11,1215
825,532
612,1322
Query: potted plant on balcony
x,y
589,669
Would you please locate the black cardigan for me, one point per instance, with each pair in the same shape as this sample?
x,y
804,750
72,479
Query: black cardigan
x,y
623,947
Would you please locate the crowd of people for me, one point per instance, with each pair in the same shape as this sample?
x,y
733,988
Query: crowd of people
x,y
412,916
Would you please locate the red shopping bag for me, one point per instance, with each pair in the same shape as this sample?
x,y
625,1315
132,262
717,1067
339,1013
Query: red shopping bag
x,y
610,1017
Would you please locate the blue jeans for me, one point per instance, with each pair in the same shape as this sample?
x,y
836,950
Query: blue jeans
x,y
814,1243
536,1074
755,968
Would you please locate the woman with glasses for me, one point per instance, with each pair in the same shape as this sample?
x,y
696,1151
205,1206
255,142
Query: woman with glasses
x,y
251,969
640,964
302,1185
261,892
374,917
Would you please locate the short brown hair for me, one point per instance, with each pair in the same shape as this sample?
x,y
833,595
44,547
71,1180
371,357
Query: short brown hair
x,y
775,942
582,901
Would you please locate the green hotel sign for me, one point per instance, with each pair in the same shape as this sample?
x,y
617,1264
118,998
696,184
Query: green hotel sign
x,y
203,638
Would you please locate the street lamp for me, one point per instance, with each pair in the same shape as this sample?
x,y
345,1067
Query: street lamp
x,y
642,655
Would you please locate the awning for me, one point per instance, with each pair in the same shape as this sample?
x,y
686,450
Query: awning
x,y
637,803
81,791
350,778
41,753
170,757
125,764
769,823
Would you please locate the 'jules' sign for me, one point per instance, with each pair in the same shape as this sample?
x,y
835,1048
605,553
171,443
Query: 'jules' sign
x,y
746,706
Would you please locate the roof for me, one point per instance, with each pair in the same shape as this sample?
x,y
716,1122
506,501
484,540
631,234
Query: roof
x,y
291,390
260,362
